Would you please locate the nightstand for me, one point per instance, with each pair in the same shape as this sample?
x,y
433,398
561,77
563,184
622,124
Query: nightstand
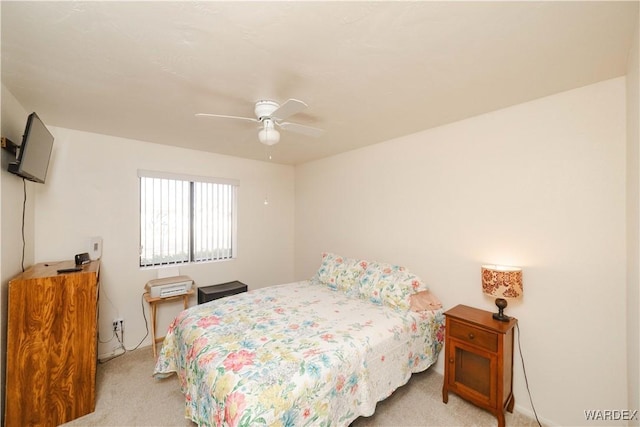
x,y
479,359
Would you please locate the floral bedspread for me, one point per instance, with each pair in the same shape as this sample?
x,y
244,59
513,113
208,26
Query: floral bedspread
x,y
294,355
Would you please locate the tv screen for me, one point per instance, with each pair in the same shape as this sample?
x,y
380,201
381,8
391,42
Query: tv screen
x,y
34,153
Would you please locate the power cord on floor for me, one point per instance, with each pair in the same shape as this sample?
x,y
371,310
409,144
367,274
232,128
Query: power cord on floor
x,y
109,340
120,341
120,337
526,380
146,325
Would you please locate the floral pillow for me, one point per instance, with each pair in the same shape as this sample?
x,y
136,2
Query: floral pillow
x,y
375,277
391,285
380,283
398,294
339,273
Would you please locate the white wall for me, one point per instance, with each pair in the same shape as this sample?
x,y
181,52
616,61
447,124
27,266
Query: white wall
x,y
14,118
633,225
92,190
540,185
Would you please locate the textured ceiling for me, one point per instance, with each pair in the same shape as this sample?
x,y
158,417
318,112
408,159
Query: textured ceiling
x,y
369,71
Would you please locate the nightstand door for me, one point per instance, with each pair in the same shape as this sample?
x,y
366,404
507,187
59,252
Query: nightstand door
x,y
472,372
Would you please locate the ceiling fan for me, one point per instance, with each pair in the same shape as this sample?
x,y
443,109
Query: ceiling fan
x,y
270,114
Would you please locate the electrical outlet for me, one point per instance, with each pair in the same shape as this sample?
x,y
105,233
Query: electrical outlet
x,y
118,324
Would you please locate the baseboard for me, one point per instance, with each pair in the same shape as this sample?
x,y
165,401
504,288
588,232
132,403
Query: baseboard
x,y
118,352
529,412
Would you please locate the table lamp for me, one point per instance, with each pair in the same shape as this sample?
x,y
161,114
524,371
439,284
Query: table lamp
x,y
501,282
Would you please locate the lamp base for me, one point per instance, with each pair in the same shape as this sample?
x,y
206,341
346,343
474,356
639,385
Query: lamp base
x,y
501,303
501,317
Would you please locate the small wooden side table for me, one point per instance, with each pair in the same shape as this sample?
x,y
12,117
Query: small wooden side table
x,y
479,359
153,305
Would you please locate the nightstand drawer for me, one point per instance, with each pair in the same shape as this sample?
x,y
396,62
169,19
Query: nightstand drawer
x,y
475,336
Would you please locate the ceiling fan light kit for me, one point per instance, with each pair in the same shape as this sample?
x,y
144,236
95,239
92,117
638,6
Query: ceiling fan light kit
x,y
270,114
268,135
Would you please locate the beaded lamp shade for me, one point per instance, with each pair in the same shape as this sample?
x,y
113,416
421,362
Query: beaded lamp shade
x,y
501,282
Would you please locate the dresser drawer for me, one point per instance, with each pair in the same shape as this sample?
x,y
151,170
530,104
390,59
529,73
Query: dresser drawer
x,y
473,335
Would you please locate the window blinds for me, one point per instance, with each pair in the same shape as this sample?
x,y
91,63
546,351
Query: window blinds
x,y
186,219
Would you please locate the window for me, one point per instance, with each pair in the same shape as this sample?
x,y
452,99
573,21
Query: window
x,y
186,219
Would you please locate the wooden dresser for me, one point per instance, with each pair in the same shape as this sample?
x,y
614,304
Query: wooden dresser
x,y
51,345
479,359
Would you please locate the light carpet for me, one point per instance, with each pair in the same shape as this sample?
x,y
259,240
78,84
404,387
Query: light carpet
x,y
128,395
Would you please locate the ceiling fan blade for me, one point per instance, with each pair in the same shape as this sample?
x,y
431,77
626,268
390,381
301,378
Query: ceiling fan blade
x,y
302,129
222,116
289,108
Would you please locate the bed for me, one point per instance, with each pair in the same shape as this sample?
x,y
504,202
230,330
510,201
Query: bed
x,y
317,352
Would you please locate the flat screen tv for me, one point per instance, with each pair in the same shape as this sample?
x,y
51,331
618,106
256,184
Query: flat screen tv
x,y
33,157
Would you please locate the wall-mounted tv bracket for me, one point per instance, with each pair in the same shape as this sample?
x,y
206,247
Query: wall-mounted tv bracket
x,y
8,145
